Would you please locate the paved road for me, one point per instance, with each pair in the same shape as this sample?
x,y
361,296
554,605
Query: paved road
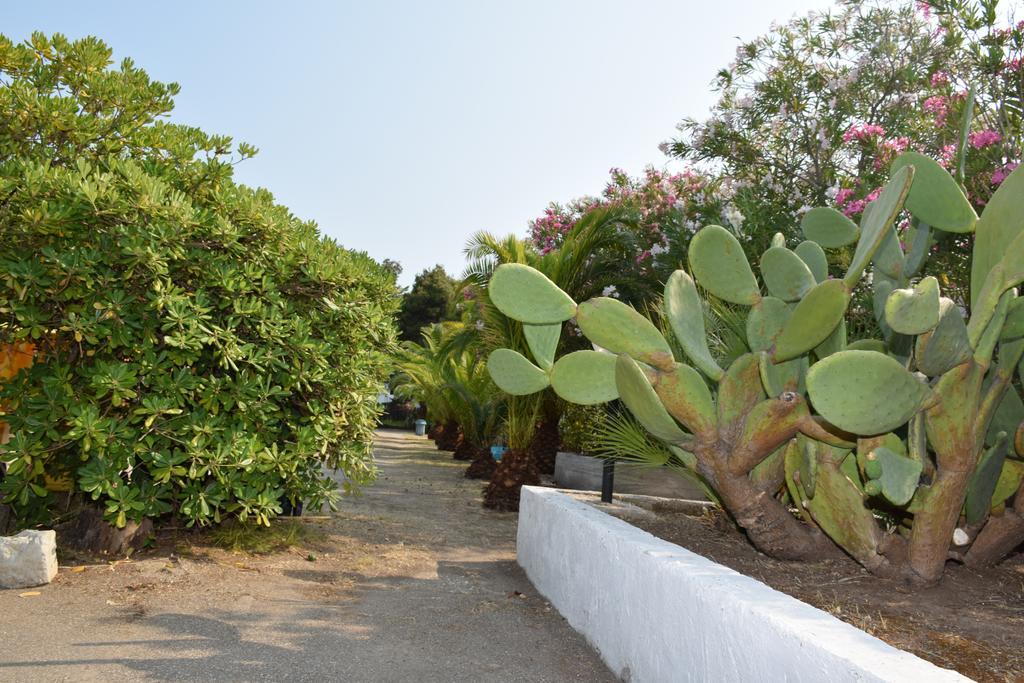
x,y
412,581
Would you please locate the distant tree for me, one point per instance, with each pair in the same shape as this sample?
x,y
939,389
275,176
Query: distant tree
x,y
431,300
392,265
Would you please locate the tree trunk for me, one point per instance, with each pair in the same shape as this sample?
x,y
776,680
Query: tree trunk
x,y
545,443
94,534
434,433
450,437
483,465
516,469
464,451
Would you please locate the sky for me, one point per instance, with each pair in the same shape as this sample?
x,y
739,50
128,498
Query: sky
x,y
402,128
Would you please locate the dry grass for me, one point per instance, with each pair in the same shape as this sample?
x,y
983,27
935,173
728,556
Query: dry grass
x,y
256,539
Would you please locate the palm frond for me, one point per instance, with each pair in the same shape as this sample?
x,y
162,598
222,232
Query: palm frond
x,y
623,439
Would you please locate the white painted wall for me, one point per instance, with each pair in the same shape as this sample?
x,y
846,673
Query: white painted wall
x,y
658,612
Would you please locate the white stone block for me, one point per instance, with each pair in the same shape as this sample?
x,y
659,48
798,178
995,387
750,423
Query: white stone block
x,y
658,612
28,559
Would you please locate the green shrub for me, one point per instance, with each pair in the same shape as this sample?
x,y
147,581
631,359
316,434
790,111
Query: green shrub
x,y
201,350
580,426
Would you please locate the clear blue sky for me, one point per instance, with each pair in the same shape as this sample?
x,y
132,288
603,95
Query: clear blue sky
x,y
403,127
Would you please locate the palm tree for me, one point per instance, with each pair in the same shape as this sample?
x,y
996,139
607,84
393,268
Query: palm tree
x,y
425,371
479,408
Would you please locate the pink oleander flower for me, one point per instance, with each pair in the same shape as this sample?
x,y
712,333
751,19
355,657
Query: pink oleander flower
x,y
891,148
854,207
984,138
1013,64
863,131
947,155
1001,173
643,256
939,106
843,196
897,145
873,195
940,78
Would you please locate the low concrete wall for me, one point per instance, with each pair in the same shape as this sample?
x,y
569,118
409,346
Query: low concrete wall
x,y
658,612
583,473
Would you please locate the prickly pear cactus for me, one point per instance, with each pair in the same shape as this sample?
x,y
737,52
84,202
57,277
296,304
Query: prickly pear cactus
x,y
924,424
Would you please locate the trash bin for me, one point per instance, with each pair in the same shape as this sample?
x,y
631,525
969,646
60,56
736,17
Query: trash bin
x,y
421,427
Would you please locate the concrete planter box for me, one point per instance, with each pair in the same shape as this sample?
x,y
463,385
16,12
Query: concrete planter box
x,y
658,612
583,473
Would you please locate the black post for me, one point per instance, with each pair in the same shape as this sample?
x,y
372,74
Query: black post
x,y
607,480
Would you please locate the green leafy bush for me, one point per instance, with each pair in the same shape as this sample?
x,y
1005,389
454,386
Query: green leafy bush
x,y
199,349
580,426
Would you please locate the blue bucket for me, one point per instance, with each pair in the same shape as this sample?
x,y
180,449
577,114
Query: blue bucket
x,y
497,452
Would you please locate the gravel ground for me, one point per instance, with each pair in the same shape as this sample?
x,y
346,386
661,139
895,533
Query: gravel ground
x,y
411,581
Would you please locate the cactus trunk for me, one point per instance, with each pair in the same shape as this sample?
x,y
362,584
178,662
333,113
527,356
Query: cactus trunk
x,y
951,431
767,523
1000,536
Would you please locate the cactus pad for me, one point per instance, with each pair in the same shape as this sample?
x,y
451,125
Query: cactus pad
x,y
585,377
543,341
814,256
687,398
919,236
780,377
718,263
813,320
613,325
889,256
785,274
527,295
935,197
765,321
514,374
740,389
834,343
946,346
1009,414
1013,328
1007,273
638,395
915,310
864,392
829,228
984,480
998,227
838,508
685,314
897,475
1009,481
877,221
867,345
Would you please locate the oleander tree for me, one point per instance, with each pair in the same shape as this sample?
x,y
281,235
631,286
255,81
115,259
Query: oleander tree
x,y
200,351
814,112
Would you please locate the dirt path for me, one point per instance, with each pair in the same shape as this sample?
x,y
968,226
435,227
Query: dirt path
x,y
412,581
